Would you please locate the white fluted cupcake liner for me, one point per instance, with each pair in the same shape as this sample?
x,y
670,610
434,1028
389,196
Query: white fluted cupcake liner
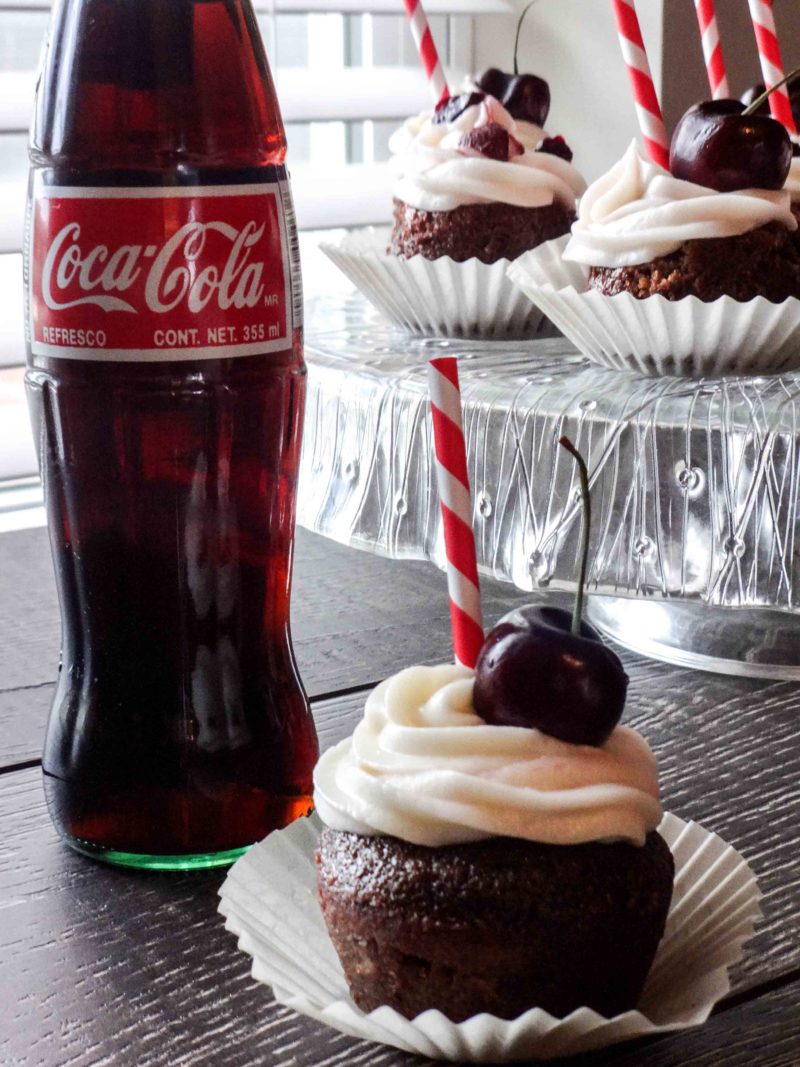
x,y
269,901
671,338
436,297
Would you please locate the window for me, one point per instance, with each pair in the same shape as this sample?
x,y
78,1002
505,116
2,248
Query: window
x,y
347,73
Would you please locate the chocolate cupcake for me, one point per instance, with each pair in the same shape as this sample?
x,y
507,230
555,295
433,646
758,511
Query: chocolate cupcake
x,y
640,230
472,867
494,926
763,262
487,232
669,277
477,183
474,180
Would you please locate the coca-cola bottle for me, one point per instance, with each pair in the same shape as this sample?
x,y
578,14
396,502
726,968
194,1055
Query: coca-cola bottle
x,y
166,383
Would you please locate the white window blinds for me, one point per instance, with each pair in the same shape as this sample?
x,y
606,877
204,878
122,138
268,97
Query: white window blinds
x,y
346,72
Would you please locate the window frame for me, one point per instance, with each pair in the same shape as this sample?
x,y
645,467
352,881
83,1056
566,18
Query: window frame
x,y
354,194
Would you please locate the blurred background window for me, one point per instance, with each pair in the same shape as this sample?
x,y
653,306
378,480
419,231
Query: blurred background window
x,y
346,73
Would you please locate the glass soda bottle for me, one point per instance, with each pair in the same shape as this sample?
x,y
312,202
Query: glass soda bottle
x,y
166,384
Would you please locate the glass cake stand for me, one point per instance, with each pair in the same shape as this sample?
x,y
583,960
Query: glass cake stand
x,y
693,555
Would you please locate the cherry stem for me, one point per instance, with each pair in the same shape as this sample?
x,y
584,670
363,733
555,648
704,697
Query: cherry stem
x,y
751,109
525,11
583,474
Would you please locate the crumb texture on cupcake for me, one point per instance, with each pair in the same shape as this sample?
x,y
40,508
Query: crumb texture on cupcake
x,y
764,262
497,926
487,232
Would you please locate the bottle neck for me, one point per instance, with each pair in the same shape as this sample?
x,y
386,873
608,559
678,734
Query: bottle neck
x,y
154,86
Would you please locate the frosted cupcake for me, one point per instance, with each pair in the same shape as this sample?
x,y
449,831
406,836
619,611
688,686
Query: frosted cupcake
x,y
493,864
475,183
714,238
643,231
472,867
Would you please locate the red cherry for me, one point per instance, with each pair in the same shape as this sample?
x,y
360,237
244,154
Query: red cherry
x,y
548,669
527,99
555,146
491,140
749,96
453,106
494,82
533,671
715,145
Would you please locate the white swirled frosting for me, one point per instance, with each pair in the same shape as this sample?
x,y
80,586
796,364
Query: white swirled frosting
x,y
638,211
424,767
431,174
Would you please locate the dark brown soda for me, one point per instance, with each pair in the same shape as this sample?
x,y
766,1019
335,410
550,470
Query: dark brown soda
x,y
180,732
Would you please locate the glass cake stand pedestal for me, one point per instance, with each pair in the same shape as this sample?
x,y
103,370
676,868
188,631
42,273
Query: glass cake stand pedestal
x,y
695,543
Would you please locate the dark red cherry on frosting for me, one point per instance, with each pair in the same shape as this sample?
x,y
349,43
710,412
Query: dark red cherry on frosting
x,y
532,671
555,146
749,96
491,140
715,145
526,97
493,81
453,106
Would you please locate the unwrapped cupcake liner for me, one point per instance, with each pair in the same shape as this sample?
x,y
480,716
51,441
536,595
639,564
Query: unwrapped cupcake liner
x,y
269,901
654,336
436,297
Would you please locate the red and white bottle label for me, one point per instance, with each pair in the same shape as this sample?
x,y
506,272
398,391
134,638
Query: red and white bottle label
x,y
160,273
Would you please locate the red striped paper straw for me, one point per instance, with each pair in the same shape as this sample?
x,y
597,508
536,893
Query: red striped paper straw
x,y
769,53
427,50
453,482
648,110
712,48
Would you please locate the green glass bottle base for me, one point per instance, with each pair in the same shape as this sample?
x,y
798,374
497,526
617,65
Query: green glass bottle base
x,y
145,862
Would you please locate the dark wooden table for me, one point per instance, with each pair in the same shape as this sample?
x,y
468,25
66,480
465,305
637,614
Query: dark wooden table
x,y
106,966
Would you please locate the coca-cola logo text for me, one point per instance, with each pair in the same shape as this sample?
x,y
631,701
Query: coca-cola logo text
x,y
98,272
130,274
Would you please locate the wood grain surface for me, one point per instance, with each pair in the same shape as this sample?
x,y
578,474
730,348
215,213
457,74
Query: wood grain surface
x,y
103,965
355,618
729,758
99,965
